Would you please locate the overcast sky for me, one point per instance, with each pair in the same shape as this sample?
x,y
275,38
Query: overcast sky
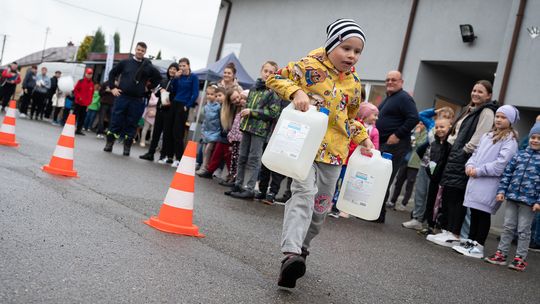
x,y
179,28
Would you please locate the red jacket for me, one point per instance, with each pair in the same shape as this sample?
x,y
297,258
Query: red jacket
x,y
84,91
7,74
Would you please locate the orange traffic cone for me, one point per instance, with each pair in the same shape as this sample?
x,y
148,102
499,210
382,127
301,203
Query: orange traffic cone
x,y
176,214
62,159
7,131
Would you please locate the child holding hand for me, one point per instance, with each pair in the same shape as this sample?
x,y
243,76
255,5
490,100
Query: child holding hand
x,y
520,186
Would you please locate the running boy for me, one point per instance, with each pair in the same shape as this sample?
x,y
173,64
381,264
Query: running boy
x,y
327,72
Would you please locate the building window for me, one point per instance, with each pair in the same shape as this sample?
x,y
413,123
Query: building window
x,y
375,91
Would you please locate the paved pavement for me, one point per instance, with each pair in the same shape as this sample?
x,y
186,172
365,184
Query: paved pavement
x,y
83,241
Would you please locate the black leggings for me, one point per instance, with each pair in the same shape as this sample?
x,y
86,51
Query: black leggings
x,y
480,224
175,127
404,174
80,114
430,206
452,201
6,93
56,112
38,103
162,115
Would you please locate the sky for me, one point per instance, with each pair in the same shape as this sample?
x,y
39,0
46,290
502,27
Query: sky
x,y
179,28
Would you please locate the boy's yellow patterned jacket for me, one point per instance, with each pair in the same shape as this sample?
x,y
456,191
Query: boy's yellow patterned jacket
x,y
327,87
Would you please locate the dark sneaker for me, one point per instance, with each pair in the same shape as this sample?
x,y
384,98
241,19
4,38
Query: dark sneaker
x,y
234,189
204,174
226,183
497,259
293,267
269,199
304,253
334,214
244,194
283,199
390,205
260,196
127,146
425,231
79,133
147,156
518,264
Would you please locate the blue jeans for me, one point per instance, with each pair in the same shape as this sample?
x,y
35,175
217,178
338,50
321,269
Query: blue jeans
x,y
90,116
125,115
420,194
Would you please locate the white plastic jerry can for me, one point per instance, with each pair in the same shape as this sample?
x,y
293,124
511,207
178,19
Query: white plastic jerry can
x,y
295,141
364,184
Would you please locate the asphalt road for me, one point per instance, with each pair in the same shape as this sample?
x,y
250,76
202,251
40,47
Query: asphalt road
x,y
83,240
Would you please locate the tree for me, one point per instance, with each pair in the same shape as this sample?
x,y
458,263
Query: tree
x,y
98,44
82,53
117,42
158,56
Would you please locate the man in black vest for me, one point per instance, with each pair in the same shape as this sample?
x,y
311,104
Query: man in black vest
x,y
397,118
133,75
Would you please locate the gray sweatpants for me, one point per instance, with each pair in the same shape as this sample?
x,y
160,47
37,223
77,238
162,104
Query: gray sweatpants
x,y
306,209
249,161
518,215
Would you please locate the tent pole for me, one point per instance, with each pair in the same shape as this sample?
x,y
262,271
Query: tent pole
x,y
197,131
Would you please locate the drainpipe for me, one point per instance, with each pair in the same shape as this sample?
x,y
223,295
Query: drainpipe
x,y
405,47
512,51
224,31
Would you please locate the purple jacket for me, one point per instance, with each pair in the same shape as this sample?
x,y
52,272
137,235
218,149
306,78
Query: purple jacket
x,y
489,160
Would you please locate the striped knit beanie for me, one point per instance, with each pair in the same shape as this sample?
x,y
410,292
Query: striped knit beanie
x,y
341,30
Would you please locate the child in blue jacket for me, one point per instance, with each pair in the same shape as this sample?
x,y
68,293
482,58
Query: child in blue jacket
x,y
520,186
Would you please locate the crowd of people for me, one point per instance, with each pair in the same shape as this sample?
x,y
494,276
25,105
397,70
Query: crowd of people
x,y
459,166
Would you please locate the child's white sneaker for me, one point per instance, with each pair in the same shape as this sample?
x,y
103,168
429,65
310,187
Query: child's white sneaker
x,y
471,249
432,237
175,164
449,240
413,224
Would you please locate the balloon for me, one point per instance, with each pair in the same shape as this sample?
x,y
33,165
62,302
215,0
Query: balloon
x,y
65,84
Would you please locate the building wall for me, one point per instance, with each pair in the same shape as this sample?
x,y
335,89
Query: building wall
x,y
436,35
287,30
433,80
525,74
284,31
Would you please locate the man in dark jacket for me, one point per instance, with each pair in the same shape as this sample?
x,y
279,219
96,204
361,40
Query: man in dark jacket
x,y
52,91
28,85
133,75
397,118
9,78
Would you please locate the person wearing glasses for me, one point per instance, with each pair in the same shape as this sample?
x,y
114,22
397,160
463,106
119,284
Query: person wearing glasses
x,y
398,116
